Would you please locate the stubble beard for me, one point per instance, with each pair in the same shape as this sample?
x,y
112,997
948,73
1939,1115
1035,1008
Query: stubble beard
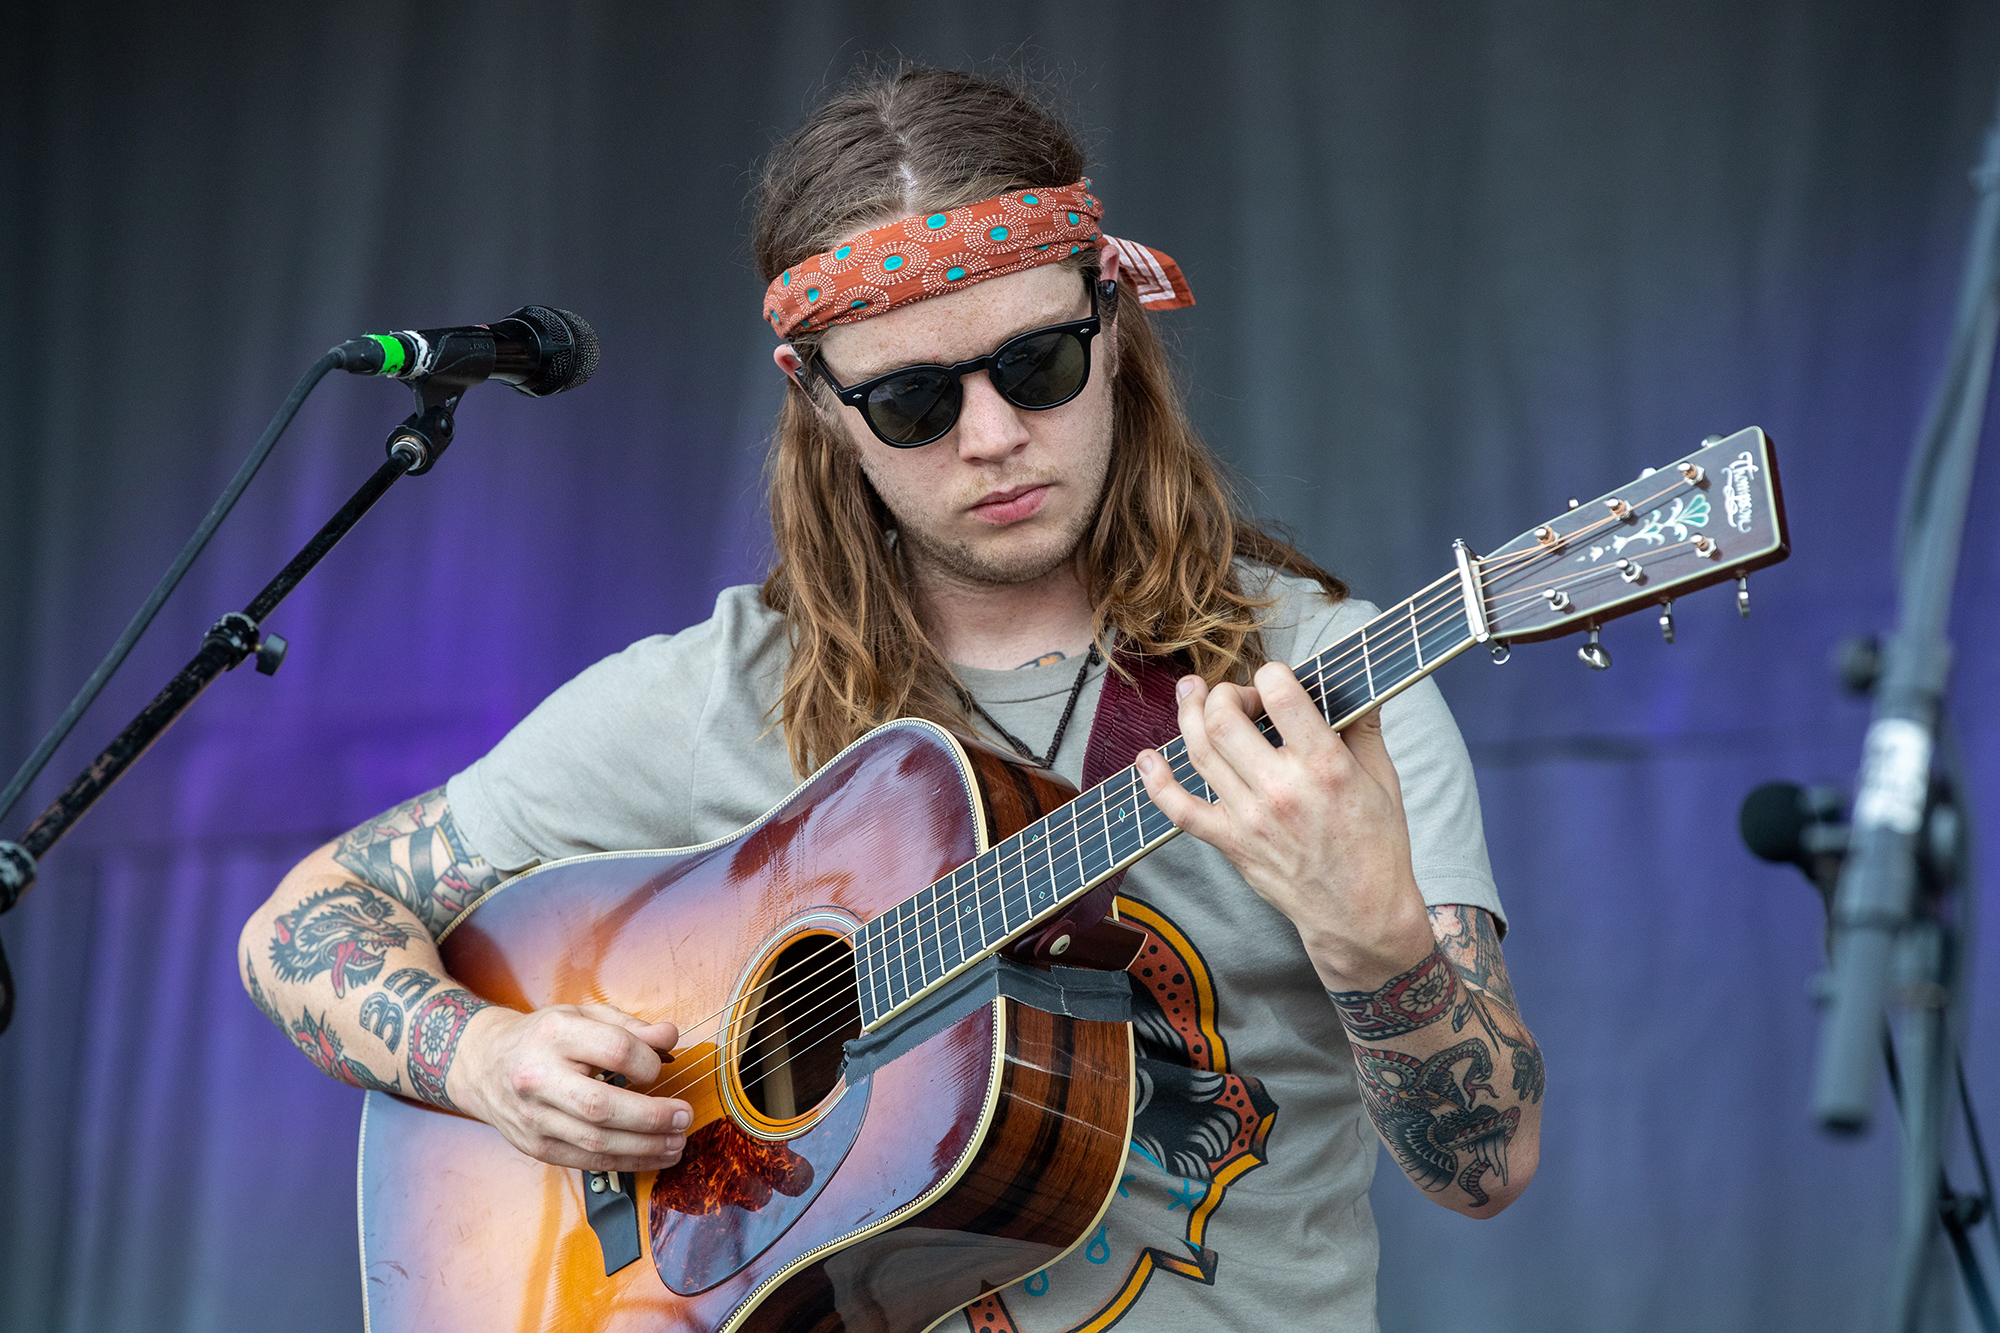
x,y
962,562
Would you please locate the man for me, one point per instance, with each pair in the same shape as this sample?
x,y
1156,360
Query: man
x,y
969,543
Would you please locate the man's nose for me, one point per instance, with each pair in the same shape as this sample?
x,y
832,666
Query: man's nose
x,y
989,427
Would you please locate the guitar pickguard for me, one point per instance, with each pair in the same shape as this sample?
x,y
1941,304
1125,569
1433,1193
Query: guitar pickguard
x,y
732,1195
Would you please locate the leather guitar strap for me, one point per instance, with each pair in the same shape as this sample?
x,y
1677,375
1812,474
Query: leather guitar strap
x,y
1131,716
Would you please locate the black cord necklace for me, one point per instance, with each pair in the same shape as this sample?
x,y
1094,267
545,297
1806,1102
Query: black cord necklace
x,y
1090,660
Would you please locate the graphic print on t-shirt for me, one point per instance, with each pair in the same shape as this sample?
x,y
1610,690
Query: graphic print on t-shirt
x,y
1199,1127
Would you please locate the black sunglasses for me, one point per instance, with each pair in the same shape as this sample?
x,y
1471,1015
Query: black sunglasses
x,y
1035,371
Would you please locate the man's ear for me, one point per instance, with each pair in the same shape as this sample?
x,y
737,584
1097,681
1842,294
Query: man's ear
x,y
790,362
1108,261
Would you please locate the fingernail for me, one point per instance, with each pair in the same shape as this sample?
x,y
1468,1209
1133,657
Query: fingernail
x,y
1184,688
681,1119
1146,760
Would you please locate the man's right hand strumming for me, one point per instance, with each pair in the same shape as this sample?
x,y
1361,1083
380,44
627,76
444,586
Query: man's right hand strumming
x,y
534,1078
343,958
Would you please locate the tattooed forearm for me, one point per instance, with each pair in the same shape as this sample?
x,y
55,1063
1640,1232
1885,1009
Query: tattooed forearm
x,y
435,1028
416,852
343,957
1427,1044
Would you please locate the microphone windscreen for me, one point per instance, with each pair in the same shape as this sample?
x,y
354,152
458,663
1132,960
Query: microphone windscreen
x,y
1771,820
584,340
568,349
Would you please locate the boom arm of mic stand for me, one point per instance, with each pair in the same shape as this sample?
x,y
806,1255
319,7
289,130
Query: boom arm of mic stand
x,y
413,447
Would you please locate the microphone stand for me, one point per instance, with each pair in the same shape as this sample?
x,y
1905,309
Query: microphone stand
x,y
1817,844
413,448
1893,934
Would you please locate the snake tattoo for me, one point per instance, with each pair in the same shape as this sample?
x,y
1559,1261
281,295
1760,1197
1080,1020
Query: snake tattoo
x,y
1425,1110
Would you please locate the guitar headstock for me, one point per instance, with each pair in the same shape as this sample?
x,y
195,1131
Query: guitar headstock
x,y
1710,517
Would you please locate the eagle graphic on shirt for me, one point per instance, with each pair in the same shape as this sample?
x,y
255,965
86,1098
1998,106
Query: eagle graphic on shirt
x,y
1198,1127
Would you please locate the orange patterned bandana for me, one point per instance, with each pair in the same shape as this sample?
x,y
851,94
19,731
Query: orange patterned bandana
x,y
915,258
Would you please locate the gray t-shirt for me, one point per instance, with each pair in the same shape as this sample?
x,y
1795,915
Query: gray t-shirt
x,y
1244,1202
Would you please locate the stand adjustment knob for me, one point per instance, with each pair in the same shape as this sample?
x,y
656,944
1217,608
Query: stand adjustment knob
x,y
271,654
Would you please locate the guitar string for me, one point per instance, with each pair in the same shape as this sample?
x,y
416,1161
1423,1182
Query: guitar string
x,y
1062,842
838,1021
1428,620
1431,608
1058,843
1051,844
999,865
1538,587
1532,596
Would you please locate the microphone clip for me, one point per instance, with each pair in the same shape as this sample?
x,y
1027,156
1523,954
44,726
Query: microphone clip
x,y
423,436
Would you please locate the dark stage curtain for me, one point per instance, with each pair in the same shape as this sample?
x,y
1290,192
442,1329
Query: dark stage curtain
x,y
1455,262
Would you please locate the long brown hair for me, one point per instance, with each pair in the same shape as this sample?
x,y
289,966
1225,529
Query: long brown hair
x,y
1158,563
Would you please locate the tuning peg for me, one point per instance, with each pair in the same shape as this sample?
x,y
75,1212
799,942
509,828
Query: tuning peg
x,y
1558,599
1500,653
1743,595
1667,620
1574,502
1593,654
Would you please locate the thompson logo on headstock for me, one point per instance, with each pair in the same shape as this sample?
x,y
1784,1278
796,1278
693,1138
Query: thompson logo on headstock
x,y
1736,502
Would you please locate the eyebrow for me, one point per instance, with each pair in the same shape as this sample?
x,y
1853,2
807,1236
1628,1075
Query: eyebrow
x,y
860,376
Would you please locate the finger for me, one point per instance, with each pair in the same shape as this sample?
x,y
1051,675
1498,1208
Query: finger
x,y
1215,770
608,1106
591,1135
1189,812
597,1044
1298,719
595,1147
662,1036
1231,719
1365,742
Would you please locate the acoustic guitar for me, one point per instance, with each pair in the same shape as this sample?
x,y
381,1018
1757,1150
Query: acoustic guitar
x,y
898,1106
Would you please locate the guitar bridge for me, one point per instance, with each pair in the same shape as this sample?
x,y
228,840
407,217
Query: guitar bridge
x,y
614,1215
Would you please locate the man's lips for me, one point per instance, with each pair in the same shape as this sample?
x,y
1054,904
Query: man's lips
x,y
1012,505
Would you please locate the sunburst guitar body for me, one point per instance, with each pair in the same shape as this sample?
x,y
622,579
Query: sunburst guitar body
x,y
805,1199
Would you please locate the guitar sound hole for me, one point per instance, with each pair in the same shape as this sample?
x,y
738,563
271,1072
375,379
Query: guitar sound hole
x,y
807,1008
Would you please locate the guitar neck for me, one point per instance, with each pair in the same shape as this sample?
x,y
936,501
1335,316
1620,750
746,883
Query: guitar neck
x,y
1004,892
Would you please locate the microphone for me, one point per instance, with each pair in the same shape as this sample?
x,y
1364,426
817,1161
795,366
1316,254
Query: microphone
x,y
1785,823
538,349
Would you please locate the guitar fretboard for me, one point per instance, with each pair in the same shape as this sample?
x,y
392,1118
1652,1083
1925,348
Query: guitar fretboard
x,y
996,897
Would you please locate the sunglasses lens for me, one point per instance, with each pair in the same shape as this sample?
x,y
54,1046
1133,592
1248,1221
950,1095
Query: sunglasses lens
x,y
1041,370
914,408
